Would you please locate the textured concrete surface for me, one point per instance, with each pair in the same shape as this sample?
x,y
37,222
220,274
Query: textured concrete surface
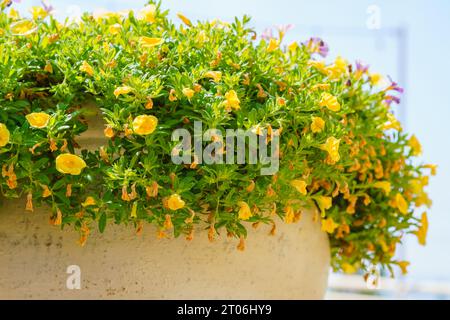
x,y
34,257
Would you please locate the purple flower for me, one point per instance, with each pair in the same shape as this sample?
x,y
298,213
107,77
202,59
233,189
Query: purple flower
x,y
47,7
389,99
317,45
361,68
394,86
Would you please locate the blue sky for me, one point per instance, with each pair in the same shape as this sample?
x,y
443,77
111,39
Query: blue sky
x,y
418,60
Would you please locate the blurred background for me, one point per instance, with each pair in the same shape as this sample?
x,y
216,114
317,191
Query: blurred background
x,y
407,40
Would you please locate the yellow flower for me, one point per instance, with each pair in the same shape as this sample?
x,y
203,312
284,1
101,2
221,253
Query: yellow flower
x,y
70,164
328,225
376,79
324,203
320,86
4,135
432,167
148,13
48,67
108,132
273,45
172,95
232,100
144,124
86,67
244,211
38,13
175,202
189,93
293,47
300,185
184,19
38,119
147,42
402,205
414,143
392,123
319,65
46,191
348,268
385,185
329,101
90,201
115,29
215,75
289,215
332,147
317,124
122,90
13,14
423,229
338,69
403,265
23,28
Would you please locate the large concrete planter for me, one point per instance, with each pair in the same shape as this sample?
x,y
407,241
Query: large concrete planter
x,y
34,257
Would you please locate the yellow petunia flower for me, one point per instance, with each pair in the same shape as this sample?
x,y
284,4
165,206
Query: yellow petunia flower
x,y
90,201
13,14
289,214
293,47
70,164
144,124
415,145
215,75
401,203
338,69
324,203
23,28
392,123
319,65
244,211
329,101
384,185
273,45
46,191
317,124
38,13
48,67
432,167
148,13
115,29
146,42
174,202
189,93
423,229
328,225
185,20
38,119
300,186
232,100
122,90
332,147
376,79
403,266
348,268
86,67
4,135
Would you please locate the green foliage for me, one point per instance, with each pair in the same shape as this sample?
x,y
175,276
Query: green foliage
x,y
140,63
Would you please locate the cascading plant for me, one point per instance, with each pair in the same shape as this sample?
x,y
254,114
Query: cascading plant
x,y
342,151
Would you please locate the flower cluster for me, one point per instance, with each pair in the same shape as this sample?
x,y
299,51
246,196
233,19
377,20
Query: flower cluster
x,y
342,152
